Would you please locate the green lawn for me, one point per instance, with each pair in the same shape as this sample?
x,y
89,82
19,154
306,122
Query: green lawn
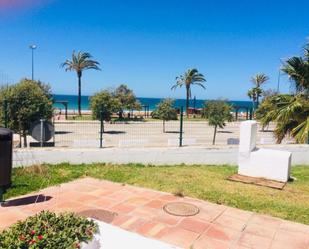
x,y
203,182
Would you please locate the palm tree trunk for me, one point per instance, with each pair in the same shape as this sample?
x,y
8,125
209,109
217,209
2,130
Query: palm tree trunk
x,y
25,138
215,133
79,75
187,101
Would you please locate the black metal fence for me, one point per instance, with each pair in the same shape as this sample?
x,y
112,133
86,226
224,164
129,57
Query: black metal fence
x,y
71,131
117,133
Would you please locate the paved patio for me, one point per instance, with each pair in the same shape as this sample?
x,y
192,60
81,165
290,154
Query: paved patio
x,y
140,210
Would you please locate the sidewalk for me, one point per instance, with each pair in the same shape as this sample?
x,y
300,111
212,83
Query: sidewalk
x,y
140,210
155,156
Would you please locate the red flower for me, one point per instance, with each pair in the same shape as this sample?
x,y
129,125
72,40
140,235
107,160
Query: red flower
x,y
31,242
32,232
40,237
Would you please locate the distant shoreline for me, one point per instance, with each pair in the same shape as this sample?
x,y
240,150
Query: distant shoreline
x,y
150,102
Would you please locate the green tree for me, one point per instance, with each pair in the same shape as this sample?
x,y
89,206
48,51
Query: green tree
x,y
189,78
28,101
165,111
80,62
127,99
104,102
218,112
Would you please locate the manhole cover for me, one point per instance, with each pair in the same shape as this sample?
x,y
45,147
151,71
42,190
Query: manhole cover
x,y
181,209
98,214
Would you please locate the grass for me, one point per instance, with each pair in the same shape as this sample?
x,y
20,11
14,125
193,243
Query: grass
x,y
203,182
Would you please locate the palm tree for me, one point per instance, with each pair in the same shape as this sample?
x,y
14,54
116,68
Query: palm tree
x,y
258,80
190,77
291,114
254,93
80,61
297,68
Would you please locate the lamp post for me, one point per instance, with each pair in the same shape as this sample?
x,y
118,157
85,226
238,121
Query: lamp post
x,y
32,47
278,84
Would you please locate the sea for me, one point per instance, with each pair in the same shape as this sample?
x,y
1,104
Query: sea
x,y
151,102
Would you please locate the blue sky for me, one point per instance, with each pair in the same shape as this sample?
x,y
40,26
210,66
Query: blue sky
x,y
146,44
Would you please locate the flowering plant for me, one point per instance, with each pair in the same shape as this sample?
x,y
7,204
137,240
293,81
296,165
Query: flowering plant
x,y
49,231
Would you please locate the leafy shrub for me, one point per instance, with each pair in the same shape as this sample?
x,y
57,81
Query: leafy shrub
x,y
28,101
49,231
104,101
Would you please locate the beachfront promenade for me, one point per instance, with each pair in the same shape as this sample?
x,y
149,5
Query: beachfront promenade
x,y
86,134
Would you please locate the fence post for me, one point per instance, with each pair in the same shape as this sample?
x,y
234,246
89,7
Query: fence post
x,y
101,127
5,112
42,135
181,127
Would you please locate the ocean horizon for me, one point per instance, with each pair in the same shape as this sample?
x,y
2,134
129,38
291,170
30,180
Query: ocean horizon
x,y
151,102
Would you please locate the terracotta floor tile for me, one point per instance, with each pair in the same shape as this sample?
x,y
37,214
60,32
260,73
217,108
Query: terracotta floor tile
x,y
209,216
231,222
66,206
180,237
265,220
87,198
168,219
260,230
150,228
296,239
156,204
205,242
169,198
283,245
253,241
194,225
137,201
294,227
120,195
150,194
101,192
122,208
222,233
238,214
133,223
103,203
120,219
10,217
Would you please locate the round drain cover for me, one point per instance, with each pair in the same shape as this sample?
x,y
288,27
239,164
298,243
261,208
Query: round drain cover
x,y
181,209
98,214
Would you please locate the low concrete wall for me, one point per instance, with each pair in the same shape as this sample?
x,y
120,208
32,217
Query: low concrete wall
x,y
155,156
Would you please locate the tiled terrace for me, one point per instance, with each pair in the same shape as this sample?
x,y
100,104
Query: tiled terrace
x,y
140,210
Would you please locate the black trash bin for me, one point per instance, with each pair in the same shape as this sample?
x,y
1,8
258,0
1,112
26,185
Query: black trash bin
x,y
6,150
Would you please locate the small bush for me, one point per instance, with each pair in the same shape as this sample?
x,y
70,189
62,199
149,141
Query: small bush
x,y
49,231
